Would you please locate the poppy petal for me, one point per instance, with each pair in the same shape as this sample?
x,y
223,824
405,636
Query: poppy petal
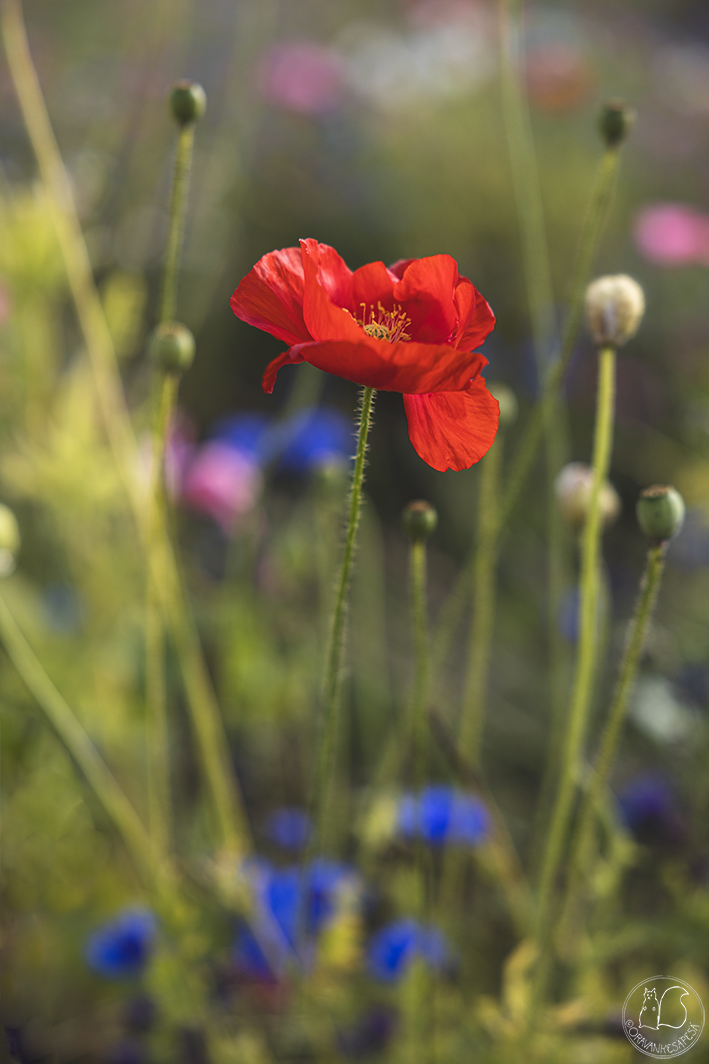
x,y
397,367
333,273
287,358
325,319
371,284
453,430
399,267
271,296
475,318
425,292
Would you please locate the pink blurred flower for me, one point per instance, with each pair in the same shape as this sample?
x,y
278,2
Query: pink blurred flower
x,y
302,76
670,234
221,482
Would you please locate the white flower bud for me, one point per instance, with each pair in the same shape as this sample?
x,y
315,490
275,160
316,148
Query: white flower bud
x,y
614,309
573,493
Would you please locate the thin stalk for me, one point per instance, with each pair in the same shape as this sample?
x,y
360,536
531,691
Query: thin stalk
x,y
201,699
419,704
587,649
159,803
72,734
332,681
484,572
419,1016
635,641
176,225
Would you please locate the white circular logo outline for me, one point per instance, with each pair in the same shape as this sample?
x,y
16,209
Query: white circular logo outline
x,y
662,1056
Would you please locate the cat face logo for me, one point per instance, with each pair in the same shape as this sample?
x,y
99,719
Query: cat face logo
x,y
670,1017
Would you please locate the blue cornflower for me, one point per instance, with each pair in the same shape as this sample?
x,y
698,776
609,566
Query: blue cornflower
x,y
248,432
315,437
393,948
121,949
648,807
292,906
288,827
442,814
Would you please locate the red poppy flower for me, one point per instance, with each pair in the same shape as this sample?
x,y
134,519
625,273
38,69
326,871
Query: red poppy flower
x,y
407,328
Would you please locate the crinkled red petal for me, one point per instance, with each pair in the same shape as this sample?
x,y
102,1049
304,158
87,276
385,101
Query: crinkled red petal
x,y
332,272
271,296
287,358
398,367
475,318
453,430
425,293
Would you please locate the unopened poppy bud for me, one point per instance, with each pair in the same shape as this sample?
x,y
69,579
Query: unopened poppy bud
x,y
419,519
615,122
614,309
172,347
507,400
9,540
573,493
188,102
660,512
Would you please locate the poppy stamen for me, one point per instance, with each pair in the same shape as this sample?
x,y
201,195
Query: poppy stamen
x,y
384,324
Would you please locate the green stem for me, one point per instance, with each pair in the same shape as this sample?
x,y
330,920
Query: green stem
x,y
79,745
481,631
333,662
419,706
159,803
637,634
587,648
176,226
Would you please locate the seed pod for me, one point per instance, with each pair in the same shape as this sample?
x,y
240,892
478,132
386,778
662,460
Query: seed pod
x,y
172,347
188,102
507,400
660,512
614,309
573,493
615,122
419,520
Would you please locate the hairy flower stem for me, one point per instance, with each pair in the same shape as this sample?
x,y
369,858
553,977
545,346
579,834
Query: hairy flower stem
x,y
201,699
83,752
332,681
586,656
472,720
635,641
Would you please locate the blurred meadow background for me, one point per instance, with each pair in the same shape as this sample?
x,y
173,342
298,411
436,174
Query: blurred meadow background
x,y
375,126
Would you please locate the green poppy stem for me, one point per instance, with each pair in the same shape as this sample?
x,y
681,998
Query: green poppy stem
x,y
419,706
332,682
635,641
586,656
176,223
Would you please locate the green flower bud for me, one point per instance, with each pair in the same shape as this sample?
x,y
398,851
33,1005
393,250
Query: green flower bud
x,y
188,102
172,347
508,402
615,122
419,520
9,540
660,512
573,494
614,309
